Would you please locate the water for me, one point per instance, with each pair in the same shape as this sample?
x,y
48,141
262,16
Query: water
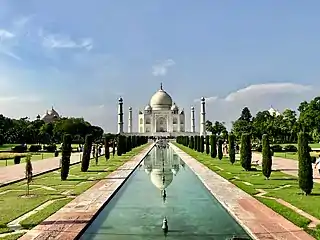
x,y
137,210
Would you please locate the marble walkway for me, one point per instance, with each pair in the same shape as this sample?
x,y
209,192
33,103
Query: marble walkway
x,y
69,222
257,219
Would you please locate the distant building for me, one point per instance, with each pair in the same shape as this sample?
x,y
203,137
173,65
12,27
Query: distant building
x,y
50,116
274,112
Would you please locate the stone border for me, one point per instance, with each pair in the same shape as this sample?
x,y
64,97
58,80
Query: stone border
x,y
259,221
73,219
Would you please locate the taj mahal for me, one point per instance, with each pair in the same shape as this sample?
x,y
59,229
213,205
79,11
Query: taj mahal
x,y
162,117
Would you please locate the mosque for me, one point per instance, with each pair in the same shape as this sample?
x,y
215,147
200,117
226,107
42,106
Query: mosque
x,y
50,116
162,117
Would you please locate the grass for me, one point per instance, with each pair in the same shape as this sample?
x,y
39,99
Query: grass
x,y
8,147
292,194
312,145
12,205
293,155
34,157
12,237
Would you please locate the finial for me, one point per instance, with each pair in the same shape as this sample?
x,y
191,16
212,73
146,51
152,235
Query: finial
x,y
161,86
165,225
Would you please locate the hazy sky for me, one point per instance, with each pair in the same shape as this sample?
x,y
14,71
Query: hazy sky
x,y
80,56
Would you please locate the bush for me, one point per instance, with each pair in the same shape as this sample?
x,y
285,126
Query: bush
x,y
50,148
257,147
290,148
195,147
19,148
313,159
191,142
266,156
17,159
277,148
207,145
245,151
107,148
220,152
56,153
35,148
65,158
202,144
305,167
232,148
86,153
213,142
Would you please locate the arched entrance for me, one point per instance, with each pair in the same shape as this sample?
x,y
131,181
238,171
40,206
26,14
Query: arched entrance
x,y
161,125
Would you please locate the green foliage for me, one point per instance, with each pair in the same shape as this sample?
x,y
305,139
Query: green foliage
x,y
220,152
129,144
202,144
245,151
232,148
17,159
191,142
217,128
213,143
29,173
207,144
106,148
195,147
86,153
65,158
305,167
266,156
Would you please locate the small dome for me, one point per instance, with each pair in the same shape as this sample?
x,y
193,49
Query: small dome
x,y
157,178
192,108
130,108
120,99
161,100
53,112
174,107
202,99
148,108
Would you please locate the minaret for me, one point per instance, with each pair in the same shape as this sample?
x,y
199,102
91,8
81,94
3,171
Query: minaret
x,y
120,116
203,117
130,120
193,128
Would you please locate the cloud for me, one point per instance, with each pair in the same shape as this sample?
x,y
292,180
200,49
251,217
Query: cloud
x,y
5,34
5,45
161,69
64,41
258,97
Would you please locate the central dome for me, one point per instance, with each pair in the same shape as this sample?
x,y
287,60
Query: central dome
x,y
161,100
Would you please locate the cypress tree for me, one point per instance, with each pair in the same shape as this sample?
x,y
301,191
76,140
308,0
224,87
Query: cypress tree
x,y
232,148
129,139
207,145
266,156
220,152
191,142
195,147
187,141
113,147
245,151
213,142
305,166
202,144
106,148
65,158
86,153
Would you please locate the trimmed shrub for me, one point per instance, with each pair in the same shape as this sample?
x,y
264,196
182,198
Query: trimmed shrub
x,y
191,142
56,153
245,151
277,148
128,143
50,148
107,148
220,152
19,148
213,143
65,158
207,145
202,144
305,167
266,156
34,148
113,147
232,148
195,147
86,153
290,148
28,172
17,159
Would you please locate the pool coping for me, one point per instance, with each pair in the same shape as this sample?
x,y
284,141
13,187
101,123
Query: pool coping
x,y
71,221
259,221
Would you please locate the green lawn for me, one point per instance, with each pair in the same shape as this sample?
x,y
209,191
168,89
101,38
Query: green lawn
x,y
35,156
312,145
8,147
291,194
292,155
14,204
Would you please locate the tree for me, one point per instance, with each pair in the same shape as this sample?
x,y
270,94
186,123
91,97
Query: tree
x,y
28,172
232,148
106,148
220,153
191,142
305,166
195,147
266,156
113,147
243,124
65,158
207,145
86,153
97,154
202,144
245,151
213,142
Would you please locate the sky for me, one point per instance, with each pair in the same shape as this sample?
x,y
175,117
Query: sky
x,y
81,56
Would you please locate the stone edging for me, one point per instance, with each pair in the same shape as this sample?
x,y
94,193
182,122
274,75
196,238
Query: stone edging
x,y
73,219
258,220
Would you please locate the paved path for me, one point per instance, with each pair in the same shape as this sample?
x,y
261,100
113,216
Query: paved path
x,y
257,219
71,220
15,173
285,165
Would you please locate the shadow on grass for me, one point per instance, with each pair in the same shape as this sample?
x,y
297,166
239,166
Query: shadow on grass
x,y
285,169
98,171
283,179
81,180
